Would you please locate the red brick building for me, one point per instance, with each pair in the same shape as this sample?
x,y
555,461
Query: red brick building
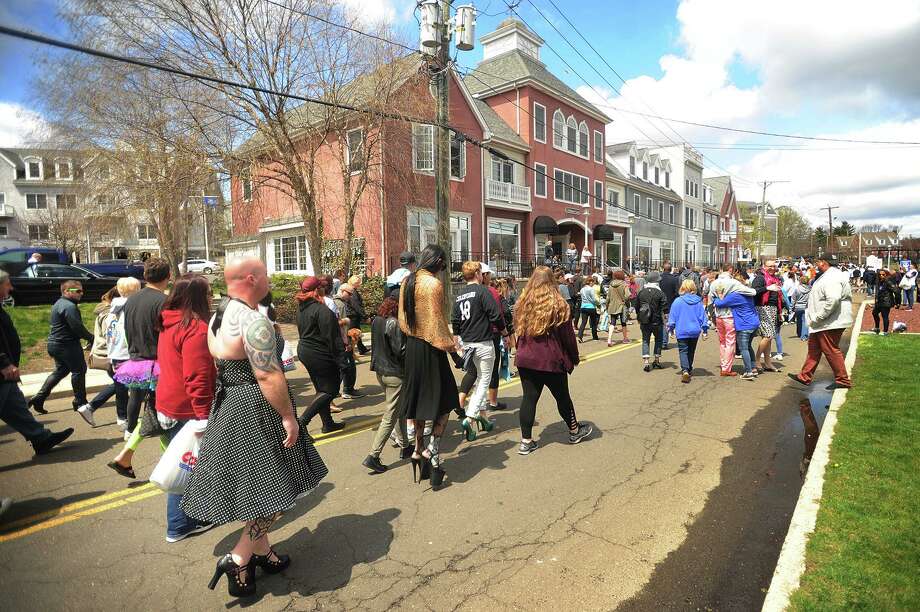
x,y
501,210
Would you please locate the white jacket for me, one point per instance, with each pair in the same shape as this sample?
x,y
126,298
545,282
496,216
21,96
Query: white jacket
x,y
830,303
726,283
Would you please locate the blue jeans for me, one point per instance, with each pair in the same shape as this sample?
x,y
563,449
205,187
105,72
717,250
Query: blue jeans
x,y
14,411
686,347
664,332
801,325
743,340
779,340
118,390
909,297
177,521
647,332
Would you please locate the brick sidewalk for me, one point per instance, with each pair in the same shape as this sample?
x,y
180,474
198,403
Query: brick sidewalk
x,y
912,318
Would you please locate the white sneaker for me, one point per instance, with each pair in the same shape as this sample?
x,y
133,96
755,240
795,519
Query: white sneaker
x,y
121,423
5,503
777,356
127,435
86,411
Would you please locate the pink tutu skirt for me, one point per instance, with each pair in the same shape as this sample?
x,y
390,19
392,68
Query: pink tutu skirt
x,y
141,374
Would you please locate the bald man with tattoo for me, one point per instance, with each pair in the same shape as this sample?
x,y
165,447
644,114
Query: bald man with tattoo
x,y
254,461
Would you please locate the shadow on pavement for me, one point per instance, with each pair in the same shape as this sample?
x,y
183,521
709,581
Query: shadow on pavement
x,y
323,559
302,507
39,505
70,451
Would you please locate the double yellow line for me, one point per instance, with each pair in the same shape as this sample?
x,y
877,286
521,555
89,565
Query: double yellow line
x,y
109,501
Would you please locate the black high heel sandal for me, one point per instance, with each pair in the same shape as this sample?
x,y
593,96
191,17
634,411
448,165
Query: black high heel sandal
x,y
235,585
269,566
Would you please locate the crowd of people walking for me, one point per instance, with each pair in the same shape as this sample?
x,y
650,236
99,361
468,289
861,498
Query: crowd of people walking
x,y
175,364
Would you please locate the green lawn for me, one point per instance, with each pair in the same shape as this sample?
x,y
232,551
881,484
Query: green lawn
x,y
865,552
33,322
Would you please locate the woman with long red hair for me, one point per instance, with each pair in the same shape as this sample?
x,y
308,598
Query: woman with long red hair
x,y
546,354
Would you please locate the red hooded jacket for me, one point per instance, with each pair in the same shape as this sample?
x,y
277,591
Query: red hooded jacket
x,y
187,374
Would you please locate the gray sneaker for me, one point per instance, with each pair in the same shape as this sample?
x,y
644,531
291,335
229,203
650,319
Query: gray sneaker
x,y
584,430
527,447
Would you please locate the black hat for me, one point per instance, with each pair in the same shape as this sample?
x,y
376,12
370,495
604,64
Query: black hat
x,y
406,258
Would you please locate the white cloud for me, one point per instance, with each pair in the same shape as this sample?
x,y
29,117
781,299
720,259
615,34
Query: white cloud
x,y
869,183
17,124
380,12
846,59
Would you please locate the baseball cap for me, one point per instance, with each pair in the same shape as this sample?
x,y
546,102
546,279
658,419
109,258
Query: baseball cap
x,y
569,276
484,268
406,258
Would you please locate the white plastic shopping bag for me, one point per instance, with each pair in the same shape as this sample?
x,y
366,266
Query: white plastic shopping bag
x,y
288,358
175,467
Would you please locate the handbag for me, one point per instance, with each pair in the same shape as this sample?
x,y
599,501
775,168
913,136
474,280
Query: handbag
x,y
175,466
150,424
98,363
604,325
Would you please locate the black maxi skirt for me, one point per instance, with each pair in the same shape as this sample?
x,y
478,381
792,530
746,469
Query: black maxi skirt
x,y
429,389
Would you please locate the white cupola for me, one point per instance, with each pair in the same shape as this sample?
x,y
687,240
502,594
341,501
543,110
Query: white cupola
x,y
511,35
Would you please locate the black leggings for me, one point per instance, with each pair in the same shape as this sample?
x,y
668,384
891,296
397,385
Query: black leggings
x,y
469,379
588,315
884,312
320,406
532,382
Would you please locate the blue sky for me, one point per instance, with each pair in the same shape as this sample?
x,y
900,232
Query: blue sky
x,y
841,69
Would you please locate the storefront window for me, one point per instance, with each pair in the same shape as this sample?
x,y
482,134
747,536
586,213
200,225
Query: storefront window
x,y
667,251
643,252
504,245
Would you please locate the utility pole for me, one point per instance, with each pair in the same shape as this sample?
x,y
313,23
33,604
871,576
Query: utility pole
x,y
830,227
442,144
760,216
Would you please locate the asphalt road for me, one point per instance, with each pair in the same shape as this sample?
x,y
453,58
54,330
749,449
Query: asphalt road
x,y
680,500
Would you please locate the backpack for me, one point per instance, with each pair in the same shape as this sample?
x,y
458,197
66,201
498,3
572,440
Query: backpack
x,y
645,313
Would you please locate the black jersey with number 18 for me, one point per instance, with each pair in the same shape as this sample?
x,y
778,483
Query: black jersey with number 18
x,y
475,312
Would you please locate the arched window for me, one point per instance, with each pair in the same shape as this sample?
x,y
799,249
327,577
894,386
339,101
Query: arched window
x,y
558,129
571,135
583,139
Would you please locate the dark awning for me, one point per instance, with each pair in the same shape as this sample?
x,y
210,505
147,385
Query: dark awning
x,y
545,225
604,232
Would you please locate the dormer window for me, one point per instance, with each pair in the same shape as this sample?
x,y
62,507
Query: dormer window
x,y
644,171
34,168
632,165
63,170
657,175
667,180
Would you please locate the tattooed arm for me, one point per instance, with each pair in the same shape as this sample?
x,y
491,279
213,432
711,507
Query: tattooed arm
x,y
258,335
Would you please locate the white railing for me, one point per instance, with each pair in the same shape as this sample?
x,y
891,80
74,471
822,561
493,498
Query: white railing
x,y
7,211
727,236
615,214
508,192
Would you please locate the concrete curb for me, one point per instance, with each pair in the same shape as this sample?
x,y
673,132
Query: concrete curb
x,y
791,563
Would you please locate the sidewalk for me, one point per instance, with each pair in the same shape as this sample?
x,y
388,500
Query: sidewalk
x,y
98,379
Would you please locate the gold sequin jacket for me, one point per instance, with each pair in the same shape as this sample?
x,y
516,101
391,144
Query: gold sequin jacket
x,y
430,320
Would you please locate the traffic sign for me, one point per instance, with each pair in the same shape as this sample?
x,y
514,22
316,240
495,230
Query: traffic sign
x,y
210,201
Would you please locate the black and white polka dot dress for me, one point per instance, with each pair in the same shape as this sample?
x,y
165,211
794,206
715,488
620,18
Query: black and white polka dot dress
x,y
243,470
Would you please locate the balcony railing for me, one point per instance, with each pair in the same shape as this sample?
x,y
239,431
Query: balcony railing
x,y
7,211
511,193
727,236
615,214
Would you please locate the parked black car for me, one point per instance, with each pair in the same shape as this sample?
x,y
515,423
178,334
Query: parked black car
x,y
41,283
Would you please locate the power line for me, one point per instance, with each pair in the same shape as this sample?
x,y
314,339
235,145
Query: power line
x,y
650,122
622,110
53,42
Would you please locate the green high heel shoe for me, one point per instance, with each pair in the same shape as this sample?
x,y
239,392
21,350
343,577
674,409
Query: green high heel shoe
x,y
484,424
468,431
